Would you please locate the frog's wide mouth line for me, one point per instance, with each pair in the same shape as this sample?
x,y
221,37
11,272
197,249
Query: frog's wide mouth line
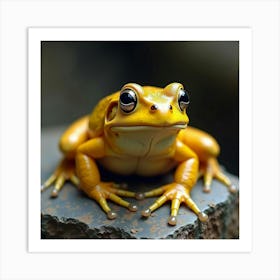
x,y
119,128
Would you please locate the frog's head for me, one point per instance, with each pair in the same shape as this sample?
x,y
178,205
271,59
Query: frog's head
x,y
148,106
141,121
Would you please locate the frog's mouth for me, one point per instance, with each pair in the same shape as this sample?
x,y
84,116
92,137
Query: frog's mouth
x,y
148,127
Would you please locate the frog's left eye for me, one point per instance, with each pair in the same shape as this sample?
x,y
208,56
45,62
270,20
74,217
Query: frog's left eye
x,y
183,99
128,100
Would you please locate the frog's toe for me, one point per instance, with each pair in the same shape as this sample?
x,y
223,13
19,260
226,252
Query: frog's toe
x,y
172,220
108,191
121,192
139,196
111,215
175,205
48,182
64,171
54,193
211,170
57,180
104,205
223,179
202,217
208,178
146,213
58,185
226,181
233,189
192,205
161,200
132,207
115,198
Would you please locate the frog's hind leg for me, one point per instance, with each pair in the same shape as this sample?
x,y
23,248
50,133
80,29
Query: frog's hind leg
x,y
207,150
210,170
65,171
71,139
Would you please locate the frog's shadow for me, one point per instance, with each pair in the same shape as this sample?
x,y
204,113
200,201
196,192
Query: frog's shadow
x,y
135,182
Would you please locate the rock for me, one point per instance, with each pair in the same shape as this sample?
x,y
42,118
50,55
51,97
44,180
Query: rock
x,y
73,215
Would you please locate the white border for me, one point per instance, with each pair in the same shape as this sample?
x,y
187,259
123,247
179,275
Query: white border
x,y
36,35
16,262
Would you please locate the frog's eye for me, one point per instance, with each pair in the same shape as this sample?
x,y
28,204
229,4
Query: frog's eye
x,y
183,99
128,100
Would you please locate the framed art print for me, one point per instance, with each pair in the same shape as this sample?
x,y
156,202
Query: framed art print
x,y
74,68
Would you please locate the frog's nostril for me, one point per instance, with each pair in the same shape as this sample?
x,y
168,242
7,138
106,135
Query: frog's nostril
x,y
154,107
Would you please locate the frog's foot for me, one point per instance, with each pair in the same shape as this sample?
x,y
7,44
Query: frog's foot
x,y
111,191
177,193
211,170
65,171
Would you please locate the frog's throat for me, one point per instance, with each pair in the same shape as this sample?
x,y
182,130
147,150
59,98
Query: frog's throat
x,y
143,141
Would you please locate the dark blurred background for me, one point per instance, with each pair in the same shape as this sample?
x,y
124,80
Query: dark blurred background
x,y
75,75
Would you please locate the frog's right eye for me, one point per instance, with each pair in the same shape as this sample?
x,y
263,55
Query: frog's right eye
x,y
128,100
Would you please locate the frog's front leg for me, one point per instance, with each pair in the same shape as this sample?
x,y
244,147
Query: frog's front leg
x,y
179,191
90,181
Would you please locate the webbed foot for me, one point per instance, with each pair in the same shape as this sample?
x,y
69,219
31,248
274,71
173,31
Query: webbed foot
x,y
177,194
103,192
211,170
65,171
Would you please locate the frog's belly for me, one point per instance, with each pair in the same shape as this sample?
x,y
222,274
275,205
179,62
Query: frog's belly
x,y
139,166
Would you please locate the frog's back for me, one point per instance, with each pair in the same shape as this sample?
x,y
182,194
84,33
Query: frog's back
x,y
89,126
97,117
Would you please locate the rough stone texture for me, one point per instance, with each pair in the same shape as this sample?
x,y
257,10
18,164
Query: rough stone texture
x,y
74,215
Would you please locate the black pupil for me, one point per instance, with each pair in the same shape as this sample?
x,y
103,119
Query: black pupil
x,y
184,97
127,98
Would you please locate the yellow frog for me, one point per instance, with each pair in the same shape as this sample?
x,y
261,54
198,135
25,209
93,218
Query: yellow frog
x,y
139,130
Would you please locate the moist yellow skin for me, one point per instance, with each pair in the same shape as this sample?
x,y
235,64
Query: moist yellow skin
x,y
147,137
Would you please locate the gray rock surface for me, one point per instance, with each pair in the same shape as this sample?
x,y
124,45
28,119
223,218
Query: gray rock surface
x,y
73,215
